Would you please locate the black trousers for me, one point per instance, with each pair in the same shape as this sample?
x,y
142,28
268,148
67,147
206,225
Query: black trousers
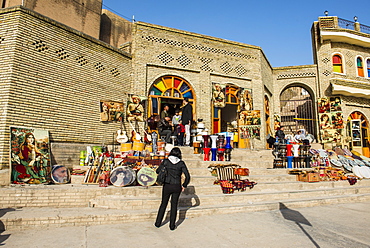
x,y
166,133
173,191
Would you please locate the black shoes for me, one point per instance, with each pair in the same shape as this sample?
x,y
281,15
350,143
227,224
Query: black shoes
x,y
171,228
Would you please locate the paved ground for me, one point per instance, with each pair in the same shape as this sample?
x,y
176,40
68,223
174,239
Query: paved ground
x,y
344,225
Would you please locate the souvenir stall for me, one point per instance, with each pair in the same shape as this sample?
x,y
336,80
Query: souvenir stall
x,y
140,153
292,154
249,128
331,121
321,165
336,164
215,147
231,177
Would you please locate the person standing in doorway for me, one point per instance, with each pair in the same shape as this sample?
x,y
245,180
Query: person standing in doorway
x,y
187,118
172,186
165,112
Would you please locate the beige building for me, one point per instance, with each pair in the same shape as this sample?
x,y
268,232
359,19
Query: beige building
x,y
57,71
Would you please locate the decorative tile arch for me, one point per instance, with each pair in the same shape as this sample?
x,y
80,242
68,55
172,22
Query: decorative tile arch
x,y
169,87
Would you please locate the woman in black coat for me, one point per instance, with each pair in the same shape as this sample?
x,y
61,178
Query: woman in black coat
x,y
172,186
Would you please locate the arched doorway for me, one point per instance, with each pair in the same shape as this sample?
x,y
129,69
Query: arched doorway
x,y
358,130
224,117
169,90
297,110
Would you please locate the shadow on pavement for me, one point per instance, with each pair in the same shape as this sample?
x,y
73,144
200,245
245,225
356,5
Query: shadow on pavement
x,y
185,203
3,211
298,218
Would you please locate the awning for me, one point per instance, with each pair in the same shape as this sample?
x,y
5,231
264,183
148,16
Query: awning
x,y
350,91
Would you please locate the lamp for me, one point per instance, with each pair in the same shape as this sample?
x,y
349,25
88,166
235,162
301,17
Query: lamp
x,y
355,18
326,13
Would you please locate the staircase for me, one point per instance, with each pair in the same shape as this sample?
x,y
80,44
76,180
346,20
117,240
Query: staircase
x,y
76,204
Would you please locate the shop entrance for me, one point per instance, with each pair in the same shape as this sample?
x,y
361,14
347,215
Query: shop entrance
x,y
358,130
169,90
225,117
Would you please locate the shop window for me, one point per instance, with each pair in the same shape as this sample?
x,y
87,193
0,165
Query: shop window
x,y
337,64
360,67
368,67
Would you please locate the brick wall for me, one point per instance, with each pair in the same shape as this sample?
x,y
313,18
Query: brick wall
x,y
83,15
54,78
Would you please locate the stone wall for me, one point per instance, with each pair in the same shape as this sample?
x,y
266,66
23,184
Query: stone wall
x,y
114,29
53,78
82,15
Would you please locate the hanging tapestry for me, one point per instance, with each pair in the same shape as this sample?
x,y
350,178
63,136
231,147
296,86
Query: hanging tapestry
x,y
246,100
330,119
250,124
277,122
111,111
218,95
30,156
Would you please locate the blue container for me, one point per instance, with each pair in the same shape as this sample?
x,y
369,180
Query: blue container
x,y
290,161
214,154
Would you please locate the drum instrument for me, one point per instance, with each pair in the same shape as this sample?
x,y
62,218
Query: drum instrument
x,y
60,174
125,147
278,163
122,176
138,146
241,171
196,146
146,176
160,145
149,148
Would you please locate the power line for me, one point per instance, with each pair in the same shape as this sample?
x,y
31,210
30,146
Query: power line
x,y
128,18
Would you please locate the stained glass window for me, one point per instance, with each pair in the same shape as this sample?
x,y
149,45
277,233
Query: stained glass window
x,y
360,68
337,64
171,86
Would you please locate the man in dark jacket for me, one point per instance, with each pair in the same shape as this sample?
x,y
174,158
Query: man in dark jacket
x,y
187,118
165,128
281,135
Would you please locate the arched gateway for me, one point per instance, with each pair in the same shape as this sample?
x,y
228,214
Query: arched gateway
x,y
297,110
358,131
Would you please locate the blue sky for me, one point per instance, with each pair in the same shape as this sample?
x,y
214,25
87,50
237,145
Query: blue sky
x,y
280,28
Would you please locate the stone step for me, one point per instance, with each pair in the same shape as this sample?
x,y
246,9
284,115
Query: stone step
x,y
205,171
245,163
188,153
248,196
28,218
156,191
209,180
71,195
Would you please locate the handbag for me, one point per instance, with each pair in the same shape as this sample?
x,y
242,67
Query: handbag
x,y
162,175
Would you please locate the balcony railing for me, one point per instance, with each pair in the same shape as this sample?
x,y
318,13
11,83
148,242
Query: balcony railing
x,y
342,23
365,29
